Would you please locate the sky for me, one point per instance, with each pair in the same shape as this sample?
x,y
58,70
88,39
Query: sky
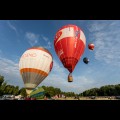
x,y
16,36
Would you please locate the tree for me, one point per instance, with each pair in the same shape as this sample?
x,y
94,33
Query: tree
x,y
117,87
16,90
1,80
2,88
22,92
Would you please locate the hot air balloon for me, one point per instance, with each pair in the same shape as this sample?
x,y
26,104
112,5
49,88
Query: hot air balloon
x,y
35,65
91,46
86,60
69,45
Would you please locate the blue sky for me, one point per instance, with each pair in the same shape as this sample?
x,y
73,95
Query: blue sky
x,y
16,36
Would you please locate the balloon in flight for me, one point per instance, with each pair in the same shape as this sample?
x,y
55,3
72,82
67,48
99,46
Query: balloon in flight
x,y
86,60
69,45
35,65
91,46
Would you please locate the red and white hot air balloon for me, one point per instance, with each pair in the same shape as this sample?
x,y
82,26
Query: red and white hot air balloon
x,y
35,65
69,44
91,46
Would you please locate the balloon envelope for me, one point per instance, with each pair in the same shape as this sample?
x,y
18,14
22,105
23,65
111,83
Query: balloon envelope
x,y
91,46
69,44
35,65
86,60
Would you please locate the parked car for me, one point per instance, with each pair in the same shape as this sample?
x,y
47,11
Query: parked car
x,y
0,97
8,97
117,97
92,97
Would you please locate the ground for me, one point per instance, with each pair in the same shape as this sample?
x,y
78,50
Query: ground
x,y
88,98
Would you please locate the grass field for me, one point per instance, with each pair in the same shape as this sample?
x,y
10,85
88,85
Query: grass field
x,y
88,98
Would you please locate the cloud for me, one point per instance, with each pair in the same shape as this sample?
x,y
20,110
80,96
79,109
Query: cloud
x,y
12,26
79,84
105,35
59,78
46,39
94,27
10,71
58,67
82,83
32,38
58,71
49,45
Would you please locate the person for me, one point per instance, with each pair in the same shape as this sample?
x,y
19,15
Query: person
x,y
45,98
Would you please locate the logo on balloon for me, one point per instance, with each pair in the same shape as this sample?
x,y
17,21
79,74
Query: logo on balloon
x,y
45,55
58,35
77,33
29,55
60,53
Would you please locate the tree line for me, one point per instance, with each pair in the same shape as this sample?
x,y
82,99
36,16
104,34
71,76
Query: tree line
x,y
51,91
15,90
108,90
10,89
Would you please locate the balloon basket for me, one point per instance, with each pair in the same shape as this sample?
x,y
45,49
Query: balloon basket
x,y
70,78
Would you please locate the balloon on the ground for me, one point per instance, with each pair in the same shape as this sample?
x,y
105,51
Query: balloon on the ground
x,y
69,44
35,65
